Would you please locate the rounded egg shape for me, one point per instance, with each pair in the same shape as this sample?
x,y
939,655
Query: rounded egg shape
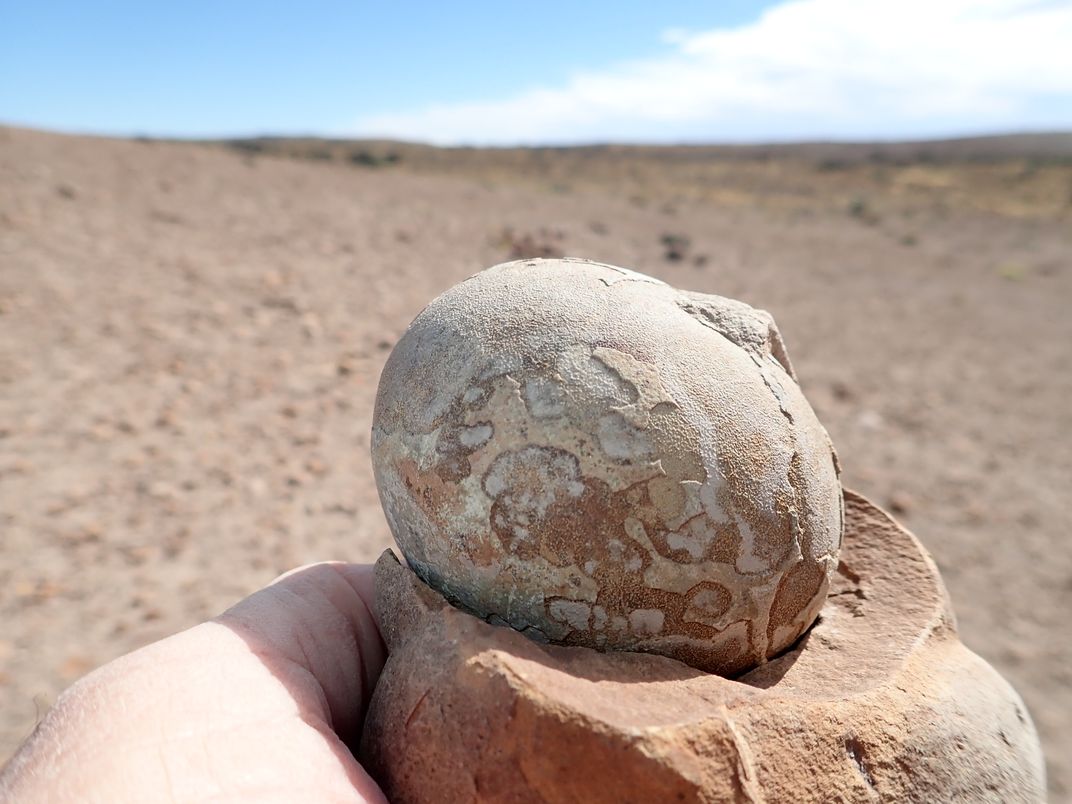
x,y
592,457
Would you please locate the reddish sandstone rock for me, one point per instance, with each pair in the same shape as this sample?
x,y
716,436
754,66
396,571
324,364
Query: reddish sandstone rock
x,y
878,701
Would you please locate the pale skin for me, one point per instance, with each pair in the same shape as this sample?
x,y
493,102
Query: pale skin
x,y
259,704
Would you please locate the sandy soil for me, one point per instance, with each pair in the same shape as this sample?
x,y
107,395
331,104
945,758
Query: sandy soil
x,y
190,338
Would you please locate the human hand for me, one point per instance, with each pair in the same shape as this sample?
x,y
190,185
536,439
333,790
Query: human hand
x,y
258,704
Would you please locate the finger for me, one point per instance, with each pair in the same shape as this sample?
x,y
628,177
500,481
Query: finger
x,y
314,629
361,576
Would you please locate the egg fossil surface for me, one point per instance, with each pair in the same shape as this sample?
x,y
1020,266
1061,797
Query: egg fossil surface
x,y
593,457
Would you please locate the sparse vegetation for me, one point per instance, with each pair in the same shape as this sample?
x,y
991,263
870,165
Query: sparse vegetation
x,y
1014,176
1013,271
364,158
247,146
860,209
676,246
319,150
523,245
1020,177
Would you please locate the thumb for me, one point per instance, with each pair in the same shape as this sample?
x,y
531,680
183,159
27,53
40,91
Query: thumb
x,y
315,629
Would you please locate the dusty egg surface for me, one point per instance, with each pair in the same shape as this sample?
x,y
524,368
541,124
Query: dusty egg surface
x,y
596,458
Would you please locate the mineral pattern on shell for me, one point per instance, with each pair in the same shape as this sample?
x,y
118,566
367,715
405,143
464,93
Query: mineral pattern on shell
x,y
595,458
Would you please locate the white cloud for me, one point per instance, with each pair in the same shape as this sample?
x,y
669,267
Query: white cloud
x,y
805,69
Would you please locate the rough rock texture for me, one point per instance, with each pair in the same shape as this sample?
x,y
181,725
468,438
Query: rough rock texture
x,y
596,458
879,702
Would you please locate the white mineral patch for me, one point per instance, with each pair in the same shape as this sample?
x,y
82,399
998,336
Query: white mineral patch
x,y
694,541
581,369
621,441
474,395
599,618
646,622
475,436
572,612
544,398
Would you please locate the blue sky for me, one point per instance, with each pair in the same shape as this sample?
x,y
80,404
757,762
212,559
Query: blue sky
x,y
504,73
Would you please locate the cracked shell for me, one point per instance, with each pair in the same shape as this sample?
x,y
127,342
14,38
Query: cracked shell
x,y
594,458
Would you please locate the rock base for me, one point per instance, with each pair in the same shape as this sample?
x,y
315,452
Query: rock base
x,y
878,701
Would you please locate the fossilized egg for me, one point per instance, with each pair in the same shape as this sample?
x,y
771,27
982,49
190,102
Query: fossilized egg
x,y
595,458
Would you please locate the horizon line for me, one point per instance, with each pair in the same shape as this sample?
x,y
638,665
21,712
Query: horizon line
x,y
989,134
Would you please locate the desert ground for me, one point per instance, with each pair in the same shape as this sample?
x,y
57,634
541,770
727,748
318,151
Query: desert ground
x,y
191,335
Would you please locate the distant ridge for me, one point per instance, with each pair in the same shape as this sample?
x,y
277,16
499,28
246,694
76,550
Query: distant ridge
x,y
1045,146
1051,146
